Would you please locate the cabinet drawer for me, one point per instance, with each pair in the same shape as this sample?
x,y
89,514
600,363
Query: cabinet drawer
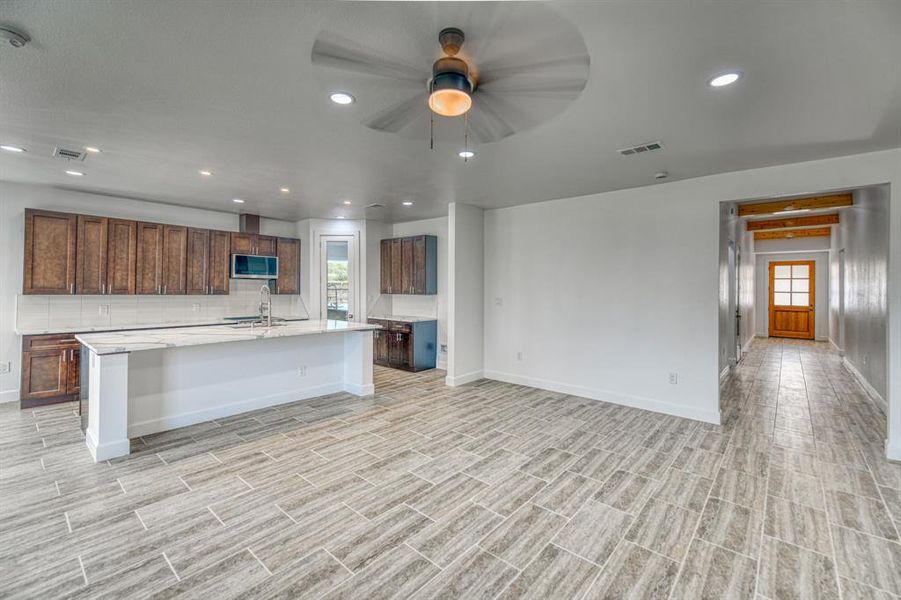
x,y
49,342
398,326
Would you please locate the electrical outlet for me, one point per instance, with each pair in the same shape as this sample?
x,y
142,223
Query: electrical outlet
x,y
444,347
103,309
674,378
5,367
519,356
302,371
195,307
498,301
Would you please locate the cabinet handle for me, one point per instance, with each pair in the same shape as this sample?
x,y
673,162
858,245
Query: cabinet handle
x,y
71,288
102,289
165,288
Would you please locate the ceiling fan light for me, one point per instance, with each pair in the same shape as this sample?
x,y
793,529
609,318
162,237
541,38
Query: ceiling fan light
x,y
450,95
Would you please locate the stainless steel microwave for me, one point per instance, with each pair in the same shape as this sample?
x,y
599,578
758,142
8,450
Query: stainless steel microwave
x,y
251,266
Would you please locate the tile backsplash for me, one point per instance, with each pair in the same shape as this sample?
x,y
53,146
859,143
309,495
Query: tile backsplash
x,y
49,313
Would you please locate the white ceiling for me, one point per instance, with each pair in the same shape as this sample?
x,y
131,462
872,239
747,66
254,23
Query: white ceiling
x,y
166,88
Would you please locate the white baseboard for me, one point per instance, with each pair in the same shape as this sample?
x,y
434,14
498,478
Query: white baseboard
x,y
9,396
822,338
108,450
871,391
226,410
660,406
359,390
837,349
893,451
463,379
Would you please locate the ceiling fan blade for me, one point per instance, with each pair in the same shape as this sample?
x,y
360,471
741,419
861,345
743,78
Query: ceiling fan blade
x,y
500,70
396,117
547,87
331,50
485,121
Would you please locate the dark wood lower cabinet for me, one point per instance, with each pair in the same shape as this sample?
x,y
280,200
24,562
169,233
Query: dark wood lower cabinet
x,y
405,345
50,370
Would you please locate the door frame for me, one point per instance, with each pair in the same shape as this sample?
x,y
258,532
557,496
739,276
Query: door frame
x,y
811,308
353,272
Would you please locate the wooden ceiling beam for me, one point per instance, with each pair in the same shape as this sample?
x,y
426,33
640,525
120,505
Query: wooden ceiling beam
x,y
780,234
830,219
812,203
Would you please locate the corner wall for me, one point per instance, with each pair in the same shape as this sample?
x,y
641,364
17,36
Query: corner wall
x,y
466,265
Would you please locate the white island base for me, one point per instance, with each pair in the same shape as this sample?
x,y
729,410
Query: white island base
x,y
144,382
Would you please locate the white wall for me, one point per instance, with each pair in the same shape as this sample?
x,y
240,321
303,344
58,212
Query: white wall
x,y
15,198
606,294
863,232
821,291
733,230
466,264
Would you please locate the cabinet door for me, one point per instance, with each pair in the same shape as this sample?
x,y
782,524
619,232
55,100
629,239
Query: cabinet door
x,y
380,351
385,267
288,266
419,265
49,253
149,256
397,267
90,256
198,261
44,374
406,277
73,374
398,350
242,243
121,256
266,245
175,259
219,262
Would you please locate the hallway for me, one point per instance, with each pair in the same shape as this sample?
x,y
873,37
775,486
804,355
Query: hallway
x,y
482,491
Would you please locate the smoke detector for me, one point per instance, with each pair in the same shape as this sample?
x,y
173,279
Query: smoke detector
x,y
640,148
16,38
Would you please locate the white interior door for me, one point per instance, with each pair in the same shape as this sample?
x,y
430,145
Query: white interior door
x,y
338,277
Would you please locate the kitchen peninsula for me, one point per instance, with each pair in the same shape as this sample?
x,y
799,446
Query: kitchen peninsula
x,y
146,381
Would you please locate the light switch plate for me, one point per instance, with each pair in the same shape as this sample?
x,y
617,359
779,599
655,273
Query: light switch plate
x,y
5,367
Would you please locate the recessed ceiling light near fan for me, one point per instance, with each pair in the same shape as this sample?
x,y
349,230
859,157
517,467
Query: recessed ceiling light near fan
x,y
521,64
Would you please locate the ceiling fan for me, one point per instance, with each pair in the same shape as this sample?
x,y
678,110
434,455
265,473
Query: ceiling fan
x,y
523,65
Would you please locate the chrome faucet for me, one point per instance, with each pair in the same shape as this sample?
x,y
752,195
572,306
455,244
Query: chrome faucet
x,y
267,305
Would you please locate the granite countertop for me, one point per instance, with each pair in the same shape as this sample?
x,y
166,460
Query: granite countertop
x,y
198,323
118,342
402,318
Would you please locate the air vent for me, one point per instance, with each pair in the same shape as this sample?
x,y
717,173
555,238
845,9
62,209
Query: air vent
x,y
68,154
375,205
641,148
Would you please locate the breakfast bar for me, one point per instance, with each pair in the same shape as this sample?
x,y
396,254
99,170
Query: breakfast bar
x,y
146,381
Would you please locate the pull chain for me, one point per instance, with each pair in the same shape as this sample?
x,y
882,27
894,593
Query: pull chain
x,y
466,136
431,130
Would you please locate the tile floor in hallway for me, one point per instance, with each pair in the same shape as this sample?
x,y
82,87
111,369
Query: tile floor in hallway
x,y
485,491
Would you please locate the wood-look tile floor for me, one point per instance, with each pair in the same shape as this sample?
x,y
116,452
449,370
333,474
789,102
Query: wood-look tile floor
x,y
485,491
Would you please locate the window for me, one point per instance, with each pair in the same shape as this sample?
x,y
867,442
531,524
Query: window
x,y
791,285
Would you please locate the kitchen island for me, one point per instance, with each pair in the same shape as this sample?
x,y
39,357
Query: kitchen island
x,y
151,380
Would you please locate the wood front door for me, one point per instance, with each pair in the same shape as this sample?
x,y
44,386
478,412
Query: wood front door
x,y
792,301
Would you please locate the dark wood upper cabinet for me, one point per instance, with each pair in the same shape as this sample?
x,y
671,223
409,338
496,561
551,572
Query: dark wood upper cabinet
x,y
149,269
266,245
91,255
385,262
409,265
121,256
175,259
198,261
50,251
219,262
253,243
288,252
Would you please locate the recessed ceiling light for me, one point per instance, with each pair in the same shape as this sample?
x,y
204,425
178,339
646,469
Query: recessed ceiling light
x,y
407,203
237,201
92,149
340,216
346,203
466,154
9,148
341,98
284,190
725,79
75,173
205,172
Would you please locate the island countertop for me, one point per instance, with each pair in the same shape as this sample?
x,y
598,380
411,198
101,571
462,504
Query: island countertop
x,y
118,342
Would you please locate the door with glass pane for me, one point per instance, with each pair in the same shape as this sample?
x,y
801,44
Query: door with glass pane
x,y
792,303
337,278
